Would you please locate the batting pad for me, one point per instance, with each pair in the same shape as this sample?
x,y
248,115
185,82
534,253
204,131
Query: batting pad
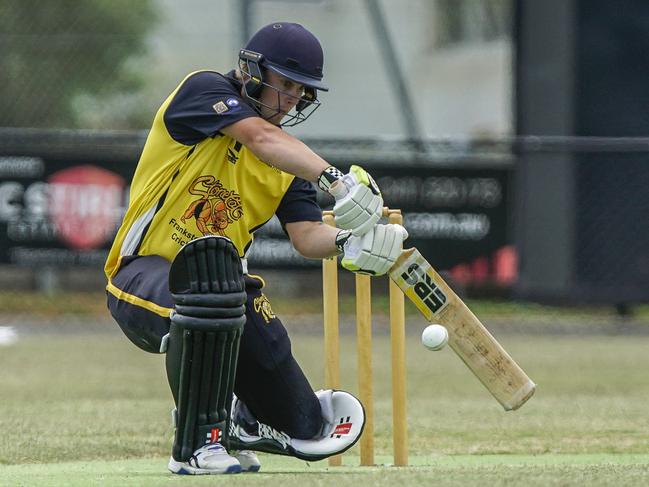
x,y
206,282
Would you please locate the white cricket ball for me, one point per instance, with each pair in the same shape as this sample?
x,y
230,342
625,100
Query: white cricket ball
x,y
434,337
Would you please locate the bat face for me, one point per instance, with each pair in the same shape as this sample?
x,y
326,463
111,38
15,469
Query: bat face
x,y
420,288
468,338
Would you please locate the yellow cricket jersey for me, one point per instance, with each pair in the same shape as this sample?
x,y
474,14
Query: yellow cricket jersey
x,y
192,180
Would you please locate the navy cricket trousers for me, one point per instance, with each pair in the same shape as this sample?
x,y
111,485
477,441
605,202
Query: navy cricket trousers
x,y
268,379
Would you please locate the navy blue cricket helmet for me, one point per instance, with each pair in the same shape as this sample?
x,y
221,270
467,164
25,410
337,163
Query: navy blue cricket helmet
x,y
291,51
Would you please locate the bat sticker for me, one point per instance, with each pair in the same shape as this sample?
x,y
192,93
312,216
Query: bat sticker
x,y
424,287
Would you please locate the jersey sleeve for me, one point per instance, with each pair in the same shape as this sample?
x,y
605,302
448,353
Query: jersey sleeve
x,y
299,204
204,104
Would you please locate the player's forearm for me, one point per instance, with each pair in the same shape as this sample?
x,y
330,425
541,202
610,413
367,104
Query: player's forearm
x,y
313,240
283,151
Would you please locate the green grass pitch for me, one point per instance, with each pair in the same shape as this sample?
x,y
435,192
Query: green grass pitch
x,y
91,409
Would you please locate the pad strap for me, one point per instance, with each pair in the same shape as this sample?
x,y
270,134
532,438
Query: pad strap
x,y
206,324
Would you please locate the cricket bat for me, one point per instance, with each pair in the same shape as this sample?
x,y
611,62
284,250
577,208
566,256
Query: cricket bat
x,y
468,338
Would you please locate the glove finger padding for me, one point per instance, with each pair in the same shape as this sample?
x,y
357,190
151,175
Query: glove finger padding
x,y
376,251
358,211
389,243
392,244
359,204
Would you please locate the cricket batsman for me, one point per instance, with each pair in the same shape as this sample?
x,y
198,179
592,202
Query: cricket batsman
x,y
216,166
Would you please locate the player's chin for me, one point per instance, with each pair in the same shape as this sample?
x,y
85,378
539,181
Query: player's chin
x,y
277,119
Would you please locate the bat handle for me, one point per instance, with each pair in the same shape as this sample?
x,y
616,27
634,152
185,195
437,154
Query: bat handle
x,y
338,189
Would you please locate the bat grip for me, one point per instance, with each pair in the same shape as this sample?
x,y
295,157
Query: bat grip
x,y
338,189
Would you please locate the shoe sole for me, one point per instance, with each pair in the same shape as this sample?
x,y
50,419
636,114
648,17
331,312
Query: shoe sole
x,y
185,470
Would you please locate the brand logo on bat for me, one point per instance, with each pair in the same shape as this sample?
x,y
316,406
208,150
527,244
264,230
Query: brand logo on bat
x,y
424,287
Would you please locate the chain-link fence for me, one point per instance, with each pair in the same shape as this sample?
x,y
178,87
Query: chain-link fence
x,y
63,60
109,64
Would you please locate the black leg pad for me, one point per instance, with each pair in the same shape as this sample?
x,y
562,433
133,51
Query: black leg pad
x,y
206,282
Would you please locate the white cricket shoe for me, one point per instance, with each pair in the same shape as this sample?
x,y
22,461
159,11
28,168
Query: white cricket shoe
x,y
210,459
248,460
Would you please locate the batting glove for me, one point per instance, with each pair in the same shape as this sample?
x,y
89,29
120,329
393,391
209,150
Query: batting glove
x,y
376,251
359,204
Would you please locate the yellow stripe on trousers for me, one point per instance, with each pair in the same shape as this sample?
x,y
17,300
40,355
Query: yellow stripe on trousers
x,y
142,303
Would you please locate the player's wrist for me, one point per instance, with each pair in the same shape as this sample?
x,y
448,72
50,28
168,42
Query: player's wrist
x,y
329,176
341,239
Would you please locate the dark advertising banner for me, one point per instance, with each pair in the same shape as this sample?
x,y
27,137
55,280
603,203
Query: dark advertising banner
x,y
457,217
57,212
62,197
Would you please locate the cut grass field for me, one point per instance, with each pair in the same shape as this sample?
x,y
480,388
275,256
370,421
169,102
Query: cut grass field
x,y
459,470
93,410
94,304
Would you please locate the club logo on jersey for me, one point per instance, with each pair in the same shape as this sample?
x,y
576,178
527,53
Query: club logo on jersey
x,y
262,306
215,208
220,107
232,102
